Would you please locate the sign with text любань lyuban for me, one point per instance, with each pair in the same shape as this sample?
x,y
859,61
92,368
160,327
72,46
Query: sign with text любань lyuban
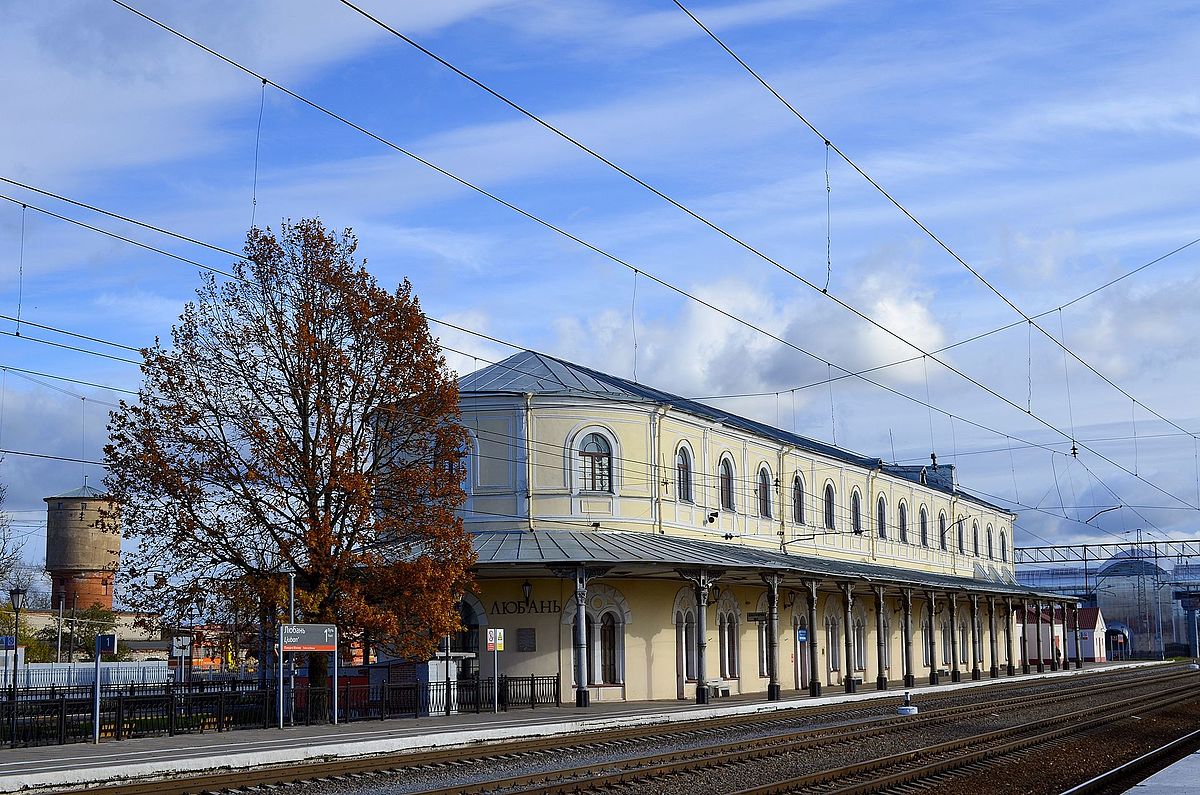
x,y
309,637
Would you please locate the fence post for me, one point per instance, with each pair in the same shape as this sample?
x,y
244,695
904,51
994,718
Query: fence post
x,y
557,692
221,711
170,709
120,716
62,720
417,690
532,692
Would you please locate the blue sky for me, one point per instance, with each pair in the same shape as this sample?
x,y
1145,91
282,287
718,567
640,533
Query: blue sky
x,y
1052,146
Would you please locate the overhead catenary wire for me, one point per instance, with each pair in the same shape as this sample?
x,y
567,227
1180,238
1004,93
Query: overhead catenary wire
x,y
733,238
981,335
907,213
458,327
537,219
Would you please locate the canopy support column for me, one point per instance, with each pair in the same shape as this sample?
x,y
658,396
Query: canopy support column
x,y
906,602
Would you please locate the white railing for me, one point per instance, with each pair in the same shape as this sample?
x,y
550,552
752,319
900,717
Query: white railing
x,y
41,675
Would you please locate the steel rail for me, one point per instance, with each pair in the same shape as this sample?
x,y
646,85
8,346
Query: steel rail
x,y
978,747
408,761
1150,761
598,776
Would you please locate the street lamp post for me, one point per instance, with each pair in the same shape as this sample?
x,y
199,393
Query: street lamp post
x,y
17,597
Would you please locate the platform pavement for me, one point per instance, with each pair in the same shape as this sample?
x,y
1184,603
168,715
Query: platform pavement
x,y
1181,777
63,767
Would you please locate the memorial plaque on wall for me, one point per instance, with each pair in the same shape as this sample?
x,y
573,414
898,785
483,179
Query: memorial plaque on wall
x,y
527,639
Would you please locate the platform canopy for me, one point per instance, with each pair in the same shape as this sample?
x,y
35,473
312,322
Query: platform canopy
x,y
533,553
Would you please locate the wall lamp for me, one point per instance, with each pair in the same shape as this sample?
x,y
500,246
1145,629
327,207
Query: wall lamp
x,y
790,602
712,517
527,589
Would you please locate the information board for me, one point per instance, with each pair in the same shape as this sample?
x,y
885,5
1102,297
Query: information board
x,y
309,637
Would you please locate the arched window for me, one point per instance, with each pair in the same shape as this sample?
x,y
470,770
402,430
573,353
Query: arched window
x,y
1003,547
962,543
964,642
726,483
855,513
829,515
902,520
727,635
926,632
881,516
683,474
686,637
595,454
975,537
833,644
924,518
608,649
947,642
798,500
942,530
990,549
860,645
467,640
764,493
762,648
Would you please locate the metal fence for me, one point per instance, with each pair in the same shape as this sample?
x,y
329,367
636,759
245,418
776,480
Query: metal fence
x,y
44,675
59,715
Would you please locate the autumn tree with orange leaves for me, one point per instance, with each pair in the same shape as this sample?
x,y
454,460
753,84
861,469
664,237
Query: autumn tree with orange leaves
x,y
303,419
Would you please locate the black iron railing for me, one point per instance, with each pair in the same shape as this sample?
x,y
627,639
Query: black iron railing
x,y
48,716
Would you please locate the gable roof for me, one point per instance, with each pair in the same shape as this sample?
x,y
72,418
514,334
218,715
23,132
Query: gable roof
x,y
529,372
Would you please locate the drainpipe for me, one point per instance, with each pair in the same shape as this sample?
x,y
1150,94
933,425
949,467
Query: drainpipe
x,y
659,415
529,459
872,509
783,486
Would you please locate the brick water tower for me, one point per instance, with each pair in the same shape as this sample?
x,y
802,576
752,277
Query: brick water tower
x,y
83,548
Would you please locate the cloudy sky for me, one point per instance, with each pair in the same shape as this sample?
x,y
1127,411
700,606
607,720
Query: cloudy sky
x,y
1053,147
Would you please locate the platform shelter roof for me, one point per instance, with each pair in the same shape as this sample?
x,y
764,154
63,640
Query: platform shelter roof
x,y
512,553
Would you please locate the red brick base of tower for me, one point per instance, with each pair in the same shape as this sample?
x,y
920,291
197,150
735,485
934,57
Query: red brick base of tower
x,y
82,589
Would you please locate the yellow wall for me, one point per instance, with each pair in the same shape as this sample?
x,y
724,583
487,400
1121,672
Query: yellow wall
x,y
518,449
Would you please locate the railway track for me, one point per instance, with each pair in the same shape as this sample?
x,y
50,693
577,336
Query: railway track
x,y
682,770
775,734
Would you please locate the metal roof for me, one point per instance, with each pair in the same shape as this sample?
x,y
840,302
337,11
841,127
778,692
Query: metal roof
x,y
537,373
500,552
81,493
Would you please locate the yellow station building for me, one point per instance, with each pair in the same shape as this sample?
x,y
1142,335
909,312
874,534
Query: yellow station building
x,y
704,553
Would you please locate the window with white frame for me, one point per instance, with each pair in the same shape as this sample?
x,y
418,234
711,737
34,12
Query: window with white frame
x,y
855,513
833,643
605,638
924,520
991,549
860,644
762,648
685,634
797,500
962,545
829,507
727,635
942,531
764,493
595,456
683,474
1003,547
902,522
881,516
975,537
725,483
